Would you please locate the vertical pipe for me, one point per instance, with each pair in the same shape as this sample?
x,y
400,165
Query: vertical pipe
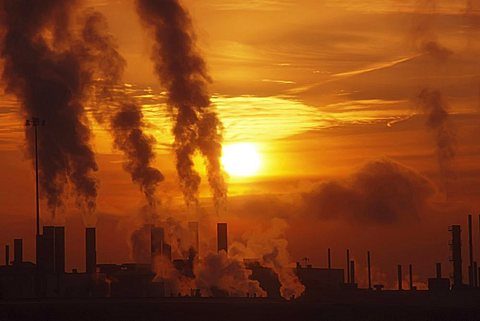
x,y
470,253
59,249
348,266
439,270
90,250
17,251
399,277
475,275
329,257
410,276
49,247
37,201
369,268
352,272
7,255
222,237
457,255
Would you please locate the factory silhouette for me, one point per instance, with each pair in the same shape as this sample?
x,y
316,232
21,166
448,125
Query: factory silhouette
x,y
47,277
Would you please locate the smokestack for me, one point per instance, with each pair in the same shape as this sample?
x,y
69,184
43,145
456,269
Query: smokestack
x,y
400,277
352,272
369,268
90,250
348,266
410,277
222,240
475,274
193,228
59,249
439,270
456,246
329,259
471,270
157,237
17,251
49,248
7,255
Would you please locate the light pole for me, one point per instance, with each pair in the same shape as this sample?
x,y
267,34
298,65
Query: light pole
x,y
35,122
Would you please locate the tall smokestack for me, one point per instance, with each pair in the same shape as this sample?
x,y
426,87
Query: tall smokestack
x,y
90,250
59,249
193,228
7,255
369,268
352,272
329,259
456,246
471,268
399,277
222,240
17,251
438,270
157,236
348,266
410,276
49,243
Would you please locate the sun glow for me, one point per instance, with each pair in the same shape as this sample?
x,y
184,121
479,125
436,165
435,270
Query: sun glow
x,y
241,159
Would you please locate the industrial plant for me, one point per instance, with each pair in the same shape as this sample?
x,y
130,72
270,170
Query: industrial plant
x,y
48,278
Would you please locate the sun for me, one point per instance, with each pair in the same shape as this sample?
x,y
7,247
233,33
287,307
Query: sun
x,y
241,159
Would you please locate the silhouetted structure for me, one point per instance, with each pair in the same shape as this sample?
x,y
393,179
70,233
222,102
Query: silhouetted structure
x,y
399,277
59,249
17,251
369,271
438,284
456,247
348,266
222,238
329,259
471,268
7,255
193,228
90,250
410,278
352,273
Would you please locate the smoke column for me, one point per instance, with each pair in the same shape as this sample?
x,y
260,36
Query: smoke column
x,y
432,102
125,119
182,71
43,69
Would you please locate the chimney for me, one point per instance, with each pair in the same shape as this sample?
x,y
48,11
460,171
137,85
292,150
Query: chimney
x,y
369,268
7,255
90,250
17,251
348,266
157,238
222,238
410,277
49,248
471,271
193,228
400,277
329,259
456,246
59,249
439,270
352,272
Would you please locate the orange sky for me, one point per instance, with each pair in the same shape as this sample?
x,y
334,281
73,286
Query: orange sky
x,y
323,87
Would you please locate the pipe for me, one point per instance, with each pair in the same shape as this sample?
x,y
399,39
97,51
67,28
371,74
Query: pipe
x,y
399,277
348,266
470,253
439,270
329,259
410,276
369,267
7,255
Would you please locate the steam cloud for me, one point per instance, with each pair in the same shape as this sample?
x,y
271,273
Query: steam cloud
x,y
126,118
182,71
44,70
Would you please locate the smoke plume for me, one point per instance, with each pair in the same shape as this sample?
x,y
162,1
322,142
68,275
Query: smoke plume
x,y
44,70
125,118
433,104
182,72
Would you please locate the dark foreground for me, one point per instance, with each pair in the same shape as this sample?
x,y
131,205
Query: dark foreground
x,y
329,308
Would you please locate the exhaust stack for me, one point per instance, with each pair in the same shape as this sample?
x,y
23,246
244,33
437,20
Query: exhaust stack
x,y
456,246
471,268
90,250
222,237
7,255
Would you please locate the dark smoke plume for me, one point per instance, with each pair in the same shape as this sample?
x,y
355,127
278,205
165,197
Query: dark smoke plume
x,y
438,120
182,71
432,102
125,118
44,70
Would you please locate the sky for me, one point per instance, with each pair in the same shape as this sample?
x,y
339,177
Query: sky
x,y
330,93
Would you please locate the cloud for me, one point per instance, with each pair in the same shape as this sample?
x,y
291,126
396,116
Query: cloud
x,y
383,191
